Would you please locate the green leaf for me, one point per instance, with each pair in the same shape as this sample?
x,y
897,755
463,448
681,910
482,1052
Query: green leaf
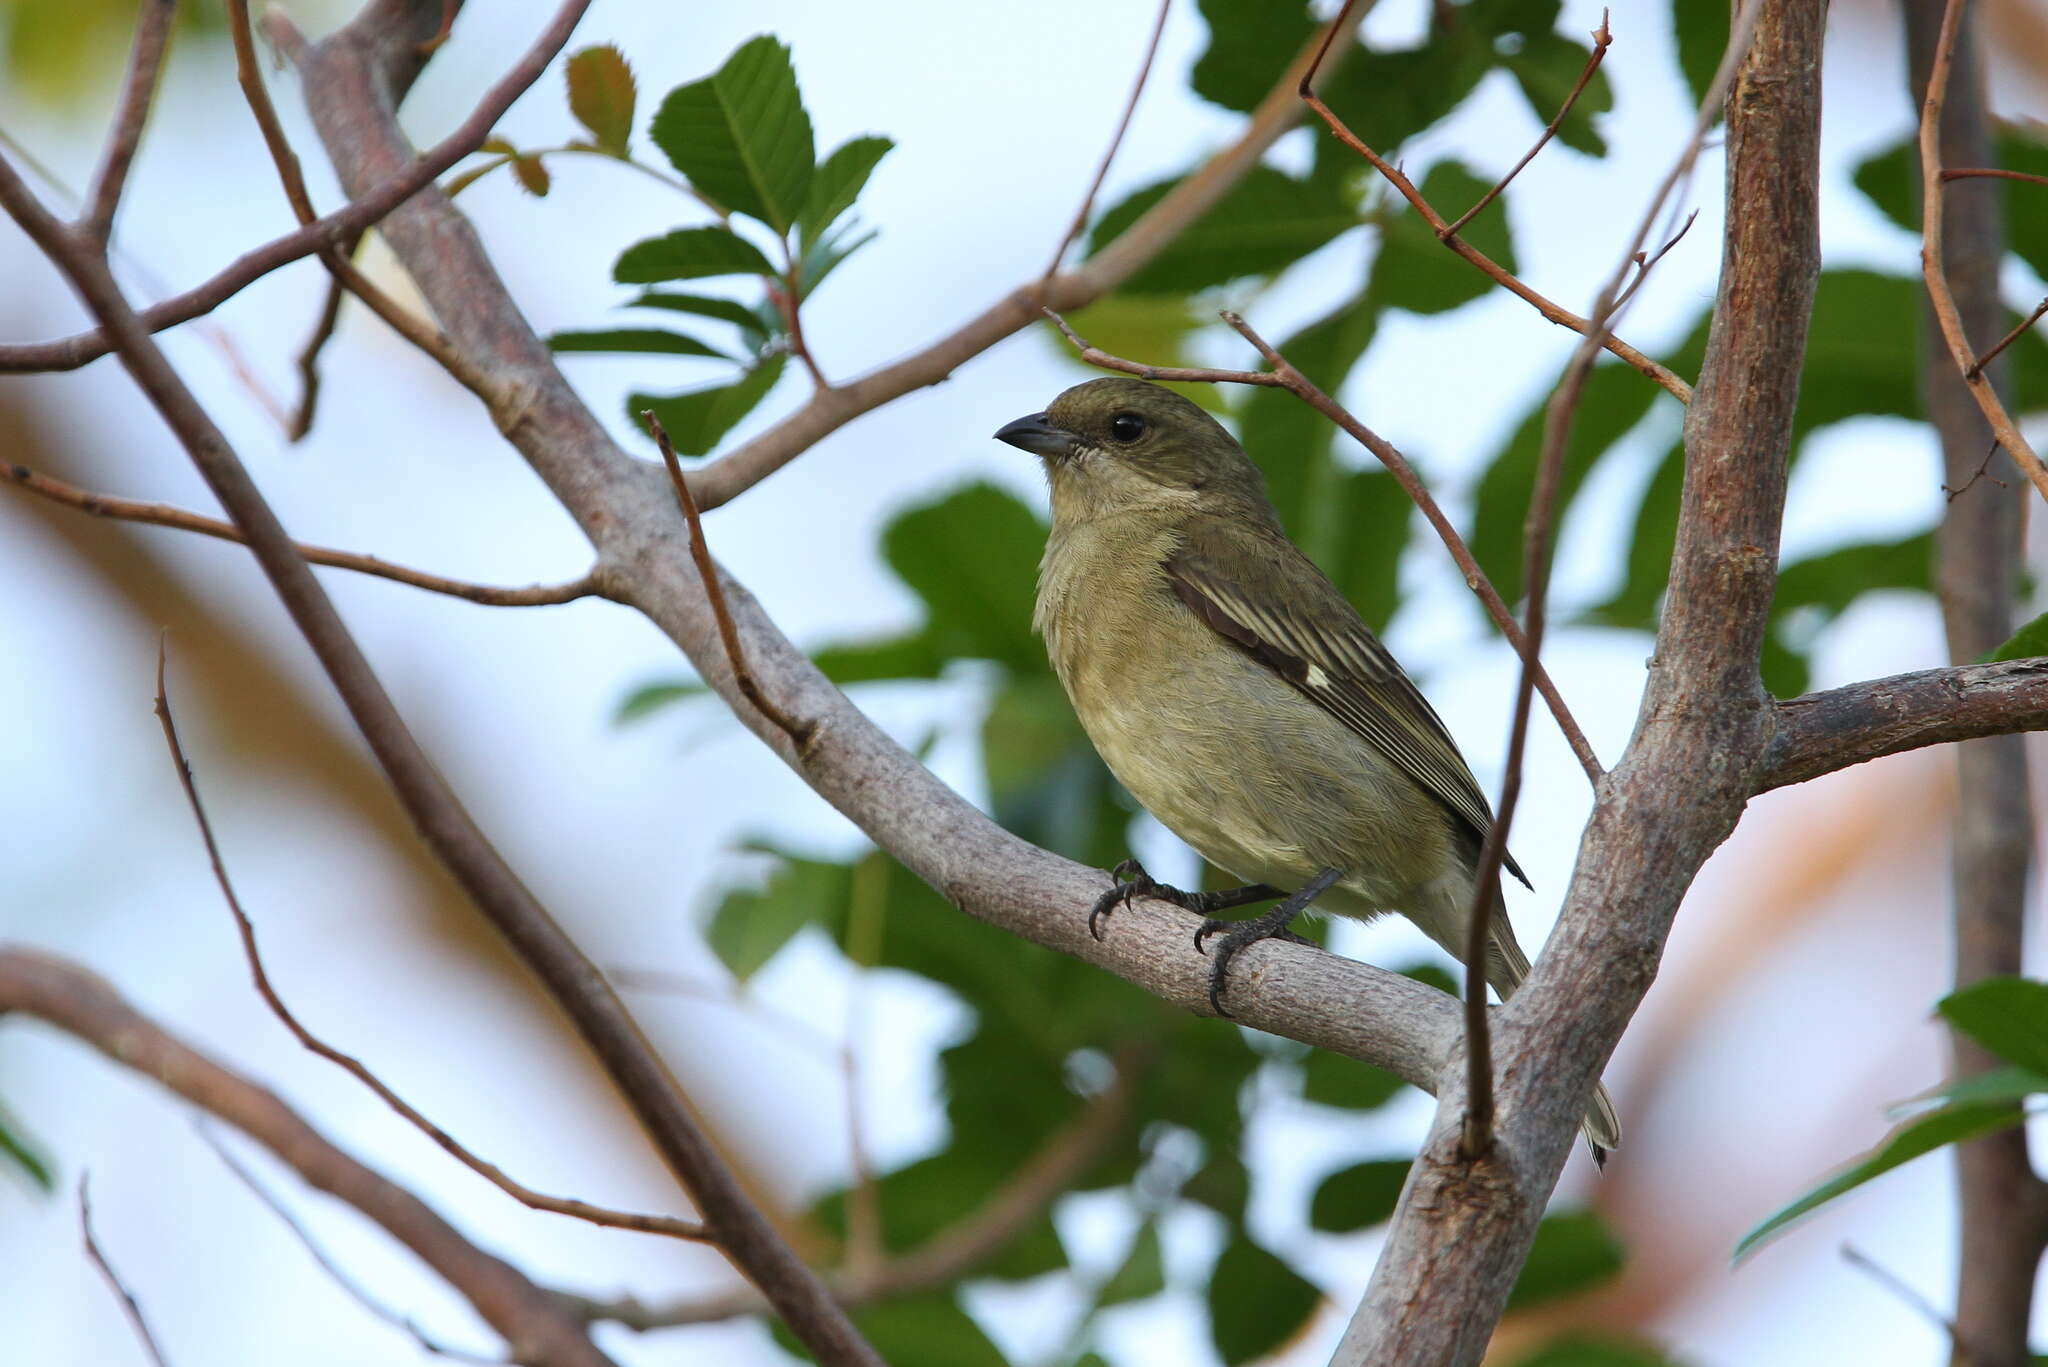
x,y
1573,1252
1256,1301
1330,1079
972,557
825,255
1701,32
927,1331
750,925
1268,222
1892,181
1813,592
704,306
1142,1272
650,698
1358,1197
741,135
1589,1350
698,419
2029,642
839,180
1418,273
1387,97
652,341
1998,1084
2008,1016
1153,328
602,95
23,1155
1251,42
689,254
455,185
1547,67
1908,1141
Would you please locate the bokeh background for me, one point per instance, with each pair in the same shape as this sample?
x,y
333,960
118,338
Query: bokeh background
x,y
1792,1005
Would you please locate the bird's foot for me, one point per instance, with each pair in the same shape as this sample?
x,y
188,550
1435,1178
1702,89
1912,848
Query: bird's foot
x,y
1132,881
1237,935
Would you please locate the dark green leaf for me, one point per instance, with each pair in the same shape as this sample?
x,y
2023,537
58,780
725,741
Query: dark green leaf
x,y
1153,328
689,254
697,420
1586,1350
1813,592
973,558
1269,221
1915,1137
1435,976
832,247
23,1156
1388,97
751,925
1333,1080
650,698
838,183
1143,1272
1547,68
1573,1252
1358,1197
2008,1016
927,1331
900,657
2029,642
1892,180
704,306
648,340
741,135
1256,1301
1416,272
1701,32
601,95
1251,42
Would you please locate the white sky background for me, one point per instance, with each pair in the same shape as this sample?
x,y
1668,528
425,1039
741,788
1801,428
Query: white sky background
x,y
999,114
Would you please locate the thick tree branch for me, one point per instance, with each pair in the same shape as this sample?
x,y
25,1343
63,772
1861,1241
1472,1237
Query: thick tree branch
x,y
538,1328
165,515
625,508
1822,732
1463,1229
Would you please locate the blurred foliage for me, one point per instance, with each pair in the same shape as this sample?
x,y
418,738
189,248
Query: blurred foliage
x,y
23,1157
1050,1036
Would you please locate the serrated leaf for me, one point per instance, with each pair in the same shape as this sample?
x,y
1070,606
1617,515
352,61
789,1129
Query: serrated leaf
x,y
838,182
602,95
689,254
1268,222
1922,1135
741,135
1142,1272
698,419
1358,1197
652,341
1573,1252
650,698
2008,1016
2029,642
532,175
1256,1301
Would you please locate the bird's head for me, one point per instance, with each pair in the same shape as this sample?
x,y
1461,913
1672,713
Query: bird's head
x,y
1121,445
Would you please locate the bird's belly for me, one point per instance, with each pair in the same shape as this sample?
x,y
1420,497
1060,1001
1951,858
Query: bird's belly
x,y
1269,787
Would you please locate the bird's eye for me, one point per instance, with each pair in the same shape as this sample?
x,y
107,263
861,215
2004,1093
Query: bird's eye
x,y
1127,427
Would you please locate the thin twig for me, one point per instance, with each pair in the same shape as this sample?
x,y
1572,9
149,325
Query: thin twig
x,y
1892,1282
1966,173
138,93
1116,141
418,331
129,1305
1096,356
68,353
1933,269
1602,39
300,425
490,1172
788,295
1486,264
1950,493
165,515
799,732
355,1289
1986,359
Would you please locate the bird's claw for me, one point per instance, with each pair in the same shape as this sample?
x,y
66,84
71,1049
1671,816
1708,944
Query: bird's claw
x,y
1238,936
1131,881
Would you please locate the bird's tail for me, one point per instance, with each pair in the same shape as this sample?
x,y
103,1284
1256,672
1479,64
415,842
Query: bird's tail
x,y
1506,966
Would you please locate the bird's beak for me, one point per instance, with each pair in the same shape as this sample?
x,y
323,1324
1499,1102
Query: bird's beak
x,y
1038,436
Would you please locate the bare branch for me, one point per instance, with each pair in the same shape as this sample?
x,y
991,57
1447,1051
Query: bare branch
x,y
799,732
165,515
138,93
1933,205
1116,140
367,208
130,1307
1966,173
1822,732
84,1006
490,1172
1603,38
2002,343
1486,264
300,425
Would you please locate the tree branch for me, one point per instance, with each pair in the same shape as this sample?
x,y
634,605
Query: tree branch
x,y
165,515
539,1329
130,1307
1822,732
138,93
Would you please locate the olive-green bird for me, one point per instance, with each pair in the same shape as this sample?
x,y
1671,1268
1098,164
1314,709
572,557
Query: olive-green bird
x,y
1238,695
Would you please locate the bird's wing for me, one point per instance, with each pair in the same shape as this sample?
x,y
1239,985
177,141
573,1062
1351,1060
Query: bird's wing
x,y
1295,622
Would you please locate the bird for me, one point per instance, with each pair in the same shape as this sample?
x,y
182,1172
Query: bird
x,y
1235,692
